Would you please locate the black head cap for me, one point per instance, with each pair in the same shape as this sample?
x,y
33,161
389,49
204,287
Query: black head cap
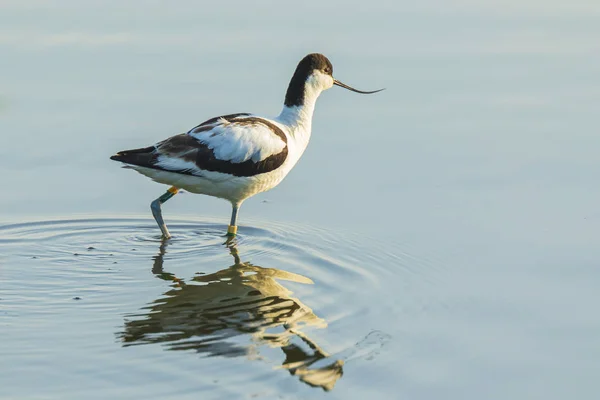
x,y
295,91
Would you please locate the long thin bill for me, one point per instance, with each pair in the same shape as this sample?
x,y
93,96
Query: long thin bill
x,y
340,84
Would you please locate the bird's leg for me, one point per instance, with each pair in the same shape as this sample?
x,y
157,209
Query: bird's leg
x,y
156,212
232,229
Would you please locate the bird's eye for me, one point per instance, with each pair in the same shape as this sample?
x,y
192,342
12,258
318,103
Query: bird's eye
x,y
327,70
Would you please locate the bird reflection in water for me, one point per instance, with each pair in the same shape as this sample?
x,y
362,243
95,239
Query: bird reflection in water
x,y
210,312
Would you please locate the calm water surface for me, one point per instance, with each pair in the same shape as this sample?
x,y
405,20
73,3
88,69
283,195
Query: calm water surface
x,y
437,240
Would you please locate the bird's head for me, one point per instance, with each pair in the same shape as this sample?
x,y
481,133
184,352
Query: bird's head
x,y
314,74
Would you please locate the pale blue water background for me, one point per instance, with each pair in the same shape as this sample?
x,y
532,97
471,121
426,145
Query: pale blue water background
x,y
458,209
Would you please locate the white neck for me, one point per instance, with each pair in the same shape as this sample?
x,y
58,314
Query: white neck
x,y
299,118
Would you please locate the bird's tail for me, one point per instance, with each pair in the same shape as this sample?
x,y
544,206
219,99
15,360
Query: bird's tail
x,y
142,157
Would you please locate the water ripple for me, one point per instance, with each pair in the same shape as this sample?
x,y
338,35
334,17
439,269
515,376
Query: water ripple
x,y
272,294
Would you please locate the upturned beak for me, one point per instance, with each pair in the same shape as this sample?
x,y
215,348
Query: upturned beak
x,y
340,84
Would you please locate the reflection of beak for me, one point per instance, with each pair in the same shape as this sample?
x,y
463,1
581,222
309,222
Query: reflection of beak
x,y
340,84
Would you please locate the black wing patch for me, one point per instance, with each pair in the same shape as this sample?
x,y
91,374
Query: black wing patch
x,y
210,123
186,148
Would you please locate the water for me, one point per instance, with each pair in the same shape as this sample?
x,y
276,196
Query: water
x,y
438,239
192,295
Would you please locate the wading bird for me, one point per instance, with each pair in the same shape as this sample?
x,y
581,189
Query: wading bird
x,y
236,156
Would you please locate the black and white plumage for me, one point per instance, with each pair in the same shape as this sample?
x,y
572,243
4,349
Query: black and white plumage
x,y
236,144
236,156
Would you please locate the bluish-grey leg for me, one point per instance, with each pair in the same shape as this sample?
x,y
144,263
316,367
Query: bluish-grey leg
x,y
156,212
232,229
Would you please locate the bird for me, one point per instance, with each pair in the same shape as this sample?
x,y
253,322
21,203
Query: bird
x,y
236,156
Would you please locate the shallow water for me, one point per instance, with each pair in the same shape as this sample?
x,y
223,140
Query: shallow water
x,y
100,293
437,240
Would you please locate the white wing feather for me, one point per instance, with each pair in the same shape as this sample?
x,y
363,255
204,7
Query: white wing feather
x,y
237,143
171,163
